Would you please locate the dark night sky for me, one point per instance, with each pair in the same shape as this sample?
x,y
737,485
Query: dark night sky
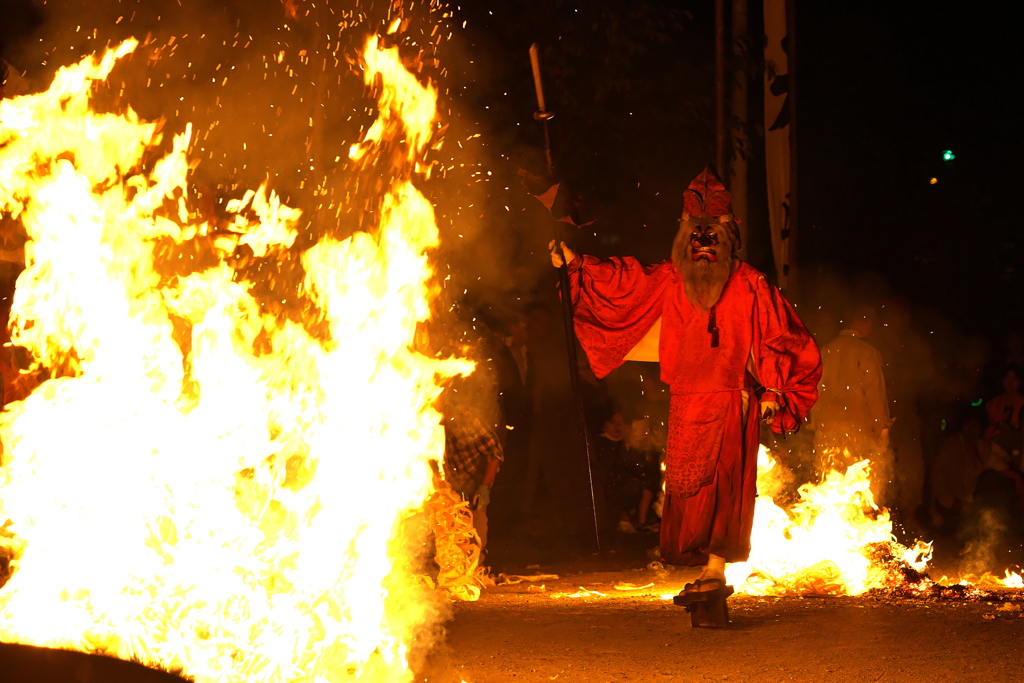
x,y
882,93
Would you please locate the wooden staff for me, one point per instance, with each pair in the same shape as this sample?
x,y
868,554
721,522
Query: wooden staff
x,y
544,115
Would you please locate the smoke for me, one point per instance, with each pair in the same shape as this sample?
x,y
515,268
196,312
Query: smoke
x,y
987,537
936,373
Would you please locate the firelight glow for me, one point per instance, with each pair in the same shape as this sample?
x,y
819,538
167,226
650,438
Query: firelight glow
x,y
816,547
204,485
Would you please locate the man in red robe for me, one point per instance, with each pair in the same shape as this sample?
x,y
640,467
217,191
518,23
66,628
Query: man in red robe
x,y
724,336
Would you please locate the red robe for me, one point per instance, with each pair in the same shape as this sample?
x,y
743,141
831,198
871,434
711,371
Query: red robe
x,y
711,454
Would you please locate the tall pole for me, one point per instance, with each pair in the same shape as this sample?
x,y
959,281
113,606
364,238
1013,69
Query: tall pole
x,y
720,85
738,164
544,115
778,133
794,232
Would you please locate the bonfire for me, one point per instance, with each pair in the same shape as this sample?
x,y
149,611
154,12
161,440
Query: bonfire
x,y
197,482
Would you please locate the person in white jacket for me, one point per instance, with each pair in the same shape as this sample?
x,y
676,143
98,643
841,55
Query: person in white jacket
x,y
851,418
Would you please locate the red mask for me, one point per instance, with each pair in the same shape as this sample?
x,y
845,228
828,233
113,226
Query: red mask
x,y
704,243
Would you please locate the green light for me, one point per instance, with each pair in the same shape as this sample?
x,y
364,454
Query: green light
x,y
942,425
948,155
976,403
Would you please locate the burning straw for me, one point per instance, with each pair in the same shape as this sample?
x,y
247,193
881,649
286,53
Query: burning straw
x,y
834,540
457,545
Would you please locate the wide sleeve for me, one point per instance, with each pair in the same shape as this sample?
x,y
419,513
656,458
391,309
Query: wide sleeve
x,y
787,359
615,302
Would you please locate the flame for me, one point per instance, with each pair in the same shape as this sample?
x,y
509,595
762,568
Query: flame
x,y
203,485
1012,579
834,541
817,546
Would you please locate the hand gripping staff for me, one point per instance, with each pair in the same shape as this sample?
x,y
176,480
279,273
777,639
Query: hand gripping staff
x,y
582,437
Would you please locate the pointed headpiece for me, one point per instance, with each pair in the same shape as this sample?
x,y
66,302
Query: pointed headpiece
x,y
706,201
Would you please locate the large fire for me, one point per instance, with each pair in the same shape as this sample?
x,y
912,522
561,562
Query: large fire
x,y
201,484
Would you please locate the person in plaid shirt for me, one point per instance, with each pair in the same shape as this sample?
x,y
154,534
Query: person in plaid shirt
x,y
472,458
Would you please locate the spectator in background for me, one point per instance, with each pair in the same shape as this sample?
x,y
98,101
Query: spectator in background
x,y
972,473
472,458
629,461
962,457
852,413
957,388
557,487
908,368
515,341
640,474
966,385
1004,416
609,449
506,355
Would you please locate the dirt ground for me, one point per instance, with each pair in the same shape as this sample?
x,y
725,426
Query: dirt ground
x,y
553,631
580,627
609,617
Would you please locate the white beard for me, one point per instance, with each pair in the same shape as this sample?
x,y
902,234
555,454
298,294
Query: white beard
x,y
704,281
